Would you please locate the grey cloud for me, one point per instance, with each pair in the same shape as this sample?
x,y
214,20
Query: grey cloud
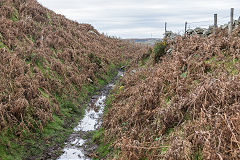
x,y
141,18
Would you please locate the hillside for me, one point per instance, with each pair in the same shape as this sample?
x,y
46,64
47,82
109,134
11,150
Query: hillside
x,y
49,65
185,106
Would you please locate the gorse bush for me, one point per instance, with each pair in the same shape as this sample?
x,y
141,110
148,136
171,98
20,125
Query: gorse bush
x,y
159,50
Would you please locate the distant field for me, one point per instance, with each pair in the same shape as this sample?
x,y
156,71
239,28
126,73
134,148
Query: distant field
x,y
148,41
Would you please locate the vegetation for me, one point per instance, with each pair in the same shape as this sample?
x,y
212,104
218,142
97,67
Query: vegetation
x,y
185,106
49,67
159,51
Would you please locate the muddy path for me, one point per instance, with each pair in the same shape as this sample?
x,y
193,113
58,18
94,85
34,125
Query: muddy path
x,y
77,145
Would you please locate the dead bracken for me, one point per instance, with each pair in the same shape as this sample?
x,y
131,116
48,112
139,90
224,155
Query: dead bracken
x,y
44,56
187,106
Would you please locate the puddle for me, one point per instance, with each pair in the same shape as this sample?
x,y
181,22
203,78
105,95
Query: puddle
x,y
74,147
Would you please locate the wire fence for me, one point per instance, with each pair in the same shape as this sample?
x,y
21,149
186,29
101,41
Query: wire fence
x,y
206,23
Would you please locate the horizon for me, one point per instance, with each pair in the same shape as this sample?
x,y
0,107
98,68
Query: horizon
x,y
139,19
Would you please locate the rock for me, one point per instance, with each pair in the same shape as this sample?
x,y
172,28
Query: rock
x,y
225,26
190,31
133,72
90,80
207,32
169,51
170,34
211,27
199,30
93,32
123,67
235,24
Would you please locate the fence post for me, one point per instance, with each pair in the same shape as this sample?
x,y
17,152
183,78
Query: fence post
x,y
215,24
231,21
185,31
165,28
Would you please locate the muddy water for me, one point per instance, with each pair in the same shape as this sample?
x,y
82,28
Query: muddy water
x,y
75,147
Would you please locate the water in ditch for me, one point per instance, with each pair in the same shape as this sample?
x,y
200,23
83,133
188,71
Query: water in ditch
x,y
75,146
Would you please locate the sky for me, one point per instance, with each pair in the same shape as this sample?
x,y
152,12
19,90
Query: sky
x,y
144,18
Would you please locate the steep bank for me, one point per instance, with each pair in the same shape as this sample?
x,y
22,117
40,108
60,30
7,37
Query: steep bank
x,y
48,66
186,106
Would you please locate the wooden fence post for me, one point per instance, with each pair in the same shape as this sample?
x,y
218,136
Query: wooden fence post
x,y
231,21
215,24
185,31
165,28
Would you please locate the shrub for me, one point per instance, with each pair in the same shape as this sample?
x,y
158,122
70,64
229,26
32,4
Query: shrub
x,y
159,51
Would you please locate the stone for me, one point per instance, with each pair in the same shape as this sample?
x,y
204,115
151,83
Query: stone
x,y
211,27
90,80
133,71
199,30
207,32
169,51
123,67
168,33
235,23
225,26
190,31
92,32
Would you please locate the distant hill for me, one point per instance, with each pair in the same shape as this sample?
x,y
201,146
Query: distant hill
x,y
148,41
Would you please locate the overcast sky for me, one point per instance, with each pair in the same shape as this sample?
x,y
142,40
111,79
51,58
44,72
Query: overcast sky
x,y
143,18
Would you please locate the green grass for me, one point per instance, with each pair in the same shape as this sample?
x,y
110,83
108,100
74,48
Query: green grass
x,y
103,149
2,45
15,15
44,94
229,63
8,144
49,18
198,155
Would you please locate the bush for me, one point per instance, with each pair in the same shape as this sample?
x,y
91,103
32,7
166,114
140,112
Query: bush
x,y
159,51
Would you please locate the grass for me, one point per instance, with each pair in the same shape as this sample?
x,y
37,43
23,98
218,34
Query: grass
x,y
198,155
2,45
49,18
103,149
54,133
15,15
8,144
